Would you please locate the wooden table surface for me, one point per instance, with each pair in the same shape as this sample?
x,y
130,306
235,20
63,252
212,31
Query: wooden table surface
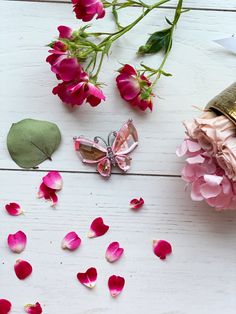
x,y
200,276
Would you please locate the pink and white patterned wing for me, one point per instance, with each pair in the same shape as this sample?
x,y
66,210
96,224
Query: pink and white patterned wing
x,y
93,153
126,140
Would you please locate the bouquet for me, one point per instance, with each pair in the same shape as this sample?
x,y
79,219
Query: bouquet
x,y
210,151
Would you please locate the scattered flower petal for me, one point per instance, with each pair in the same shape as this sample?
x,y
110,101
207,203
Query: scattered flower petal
x,y
116,285
13,209
17,242
114,252
53,180
48,194
33,308
161,248
23,269
136,203
71,241
97,228
5,306
88,278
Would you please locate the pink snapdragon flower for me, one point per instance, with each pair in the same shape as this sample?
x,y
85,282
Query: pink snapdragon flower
x,y
134,88
86,10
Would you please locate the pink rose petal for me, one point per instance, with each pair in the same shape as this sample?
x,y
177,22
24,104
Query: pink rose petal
x,y
114,252
65,32
17,242
88,278
23,269
13,209
162,248
33,308
53,180
71,241
48,194
5,306
136,203
97,228
116,285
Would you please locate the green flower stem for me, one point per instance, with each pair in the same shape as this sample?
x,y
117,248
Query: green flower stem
x,y
105,45
130,26
178,12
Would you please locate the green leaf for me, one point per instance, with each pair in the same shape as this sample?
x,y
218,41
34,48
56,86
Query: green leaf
x,y
168,21
157,41
30,142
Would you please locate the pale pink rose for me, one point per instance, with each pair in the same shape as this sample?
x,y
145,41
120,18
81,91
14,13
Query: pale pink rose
x,y
210,131
226,158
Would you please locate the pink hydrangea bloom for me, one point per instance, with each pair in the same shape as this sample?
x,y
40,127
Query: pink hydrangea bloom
x,y
86,10
134,88
207,179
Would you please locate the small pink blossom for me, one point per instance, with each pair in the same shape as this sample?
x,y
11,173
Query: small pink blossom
x,y
78,89
17,242
136,203
23,269
114,252
162,248
71,241
86,10
89,278
97,228
134,88
53,180
33,308
14,209
5,306
58,53
116,285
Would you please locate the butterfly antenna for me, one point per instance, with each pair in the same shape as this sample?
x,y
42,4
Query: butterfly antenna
x,y
97,138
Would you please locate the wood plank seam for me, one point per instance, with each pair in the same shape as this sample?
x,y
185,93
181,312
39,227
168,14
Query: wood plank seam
x,y
162,7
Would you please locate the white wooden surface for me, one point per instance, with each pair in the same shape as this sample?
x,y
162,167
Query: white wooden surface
x,y
200,67
200,276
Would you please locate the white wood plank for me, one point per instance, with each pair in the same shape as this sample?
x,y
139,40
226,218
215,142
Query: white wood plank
x,y
195,4
199,277
200,68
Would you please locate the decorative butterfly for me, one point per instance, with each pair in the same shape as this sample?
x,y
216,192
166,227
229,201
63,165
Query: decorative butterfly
x,y
111,153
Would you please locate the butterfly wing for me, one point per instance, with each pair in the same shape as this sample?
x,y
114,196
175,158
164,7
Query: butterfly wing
x,y
89,151
123,162
126,139
104,167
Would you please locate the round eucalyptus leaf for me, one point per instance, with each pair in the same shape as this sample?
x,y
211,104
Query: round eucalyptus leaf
x,y
30,142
